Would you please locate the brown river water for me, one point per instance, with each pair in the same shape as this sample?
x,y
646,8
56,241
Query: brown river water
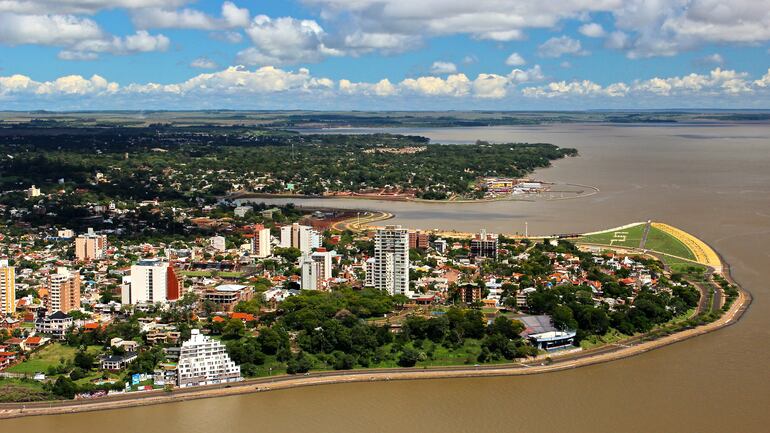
x,y
710,180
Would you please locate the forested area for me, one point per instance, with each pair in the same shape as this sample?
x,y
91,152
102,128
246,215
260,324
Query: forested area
x,y
188,163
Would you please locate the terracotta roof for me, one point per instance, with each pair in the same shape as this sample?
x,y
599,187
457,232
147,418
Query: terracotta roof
x,y
246,317
33,340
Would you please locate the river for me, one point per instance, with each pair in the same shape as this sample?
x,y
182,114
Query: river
x,y
710,180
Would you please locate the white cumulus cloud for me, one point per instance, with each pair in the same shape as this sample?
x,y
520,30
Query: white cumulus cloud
x,y
515,59
285,40
442,68
592,30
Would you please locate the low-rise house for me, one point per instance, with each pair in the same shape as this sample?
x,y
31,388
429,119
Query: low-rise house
x,y
227,296
161,336
127,345
118,362
9,323
55,325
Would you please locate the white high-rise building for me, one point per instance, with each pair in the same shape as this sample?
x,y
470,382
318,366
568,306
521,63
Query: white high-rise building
x,y
391,265
309,273
7,288
316,269
204,361
304,238
260,243
151,281
369,269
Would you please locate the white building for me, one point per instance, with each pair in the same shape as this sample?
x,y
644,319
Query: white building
x,y
33,191
204,361
218,243
391,255
55,325
316,269
309,273
304,238
369,269
241,211
151,281
260,243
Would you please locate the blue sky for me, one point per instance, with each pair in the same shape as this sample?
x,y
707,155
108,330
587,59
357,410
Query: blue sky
x,y
384,54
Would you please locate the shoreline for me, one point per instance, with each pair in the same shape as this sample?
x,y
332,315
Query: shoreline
x,y
409,199
631,346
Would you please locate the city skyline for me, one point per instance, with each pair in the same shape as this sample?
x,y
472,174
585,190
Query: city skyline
x,y
383,55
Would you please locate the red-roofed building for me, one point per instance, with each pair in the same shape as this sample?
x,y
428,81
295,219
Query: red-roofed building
x,y
244,317
33,342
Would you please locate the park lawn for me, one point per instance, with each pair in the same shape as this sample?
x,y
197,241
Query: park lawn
x,y
662,242
49,356
196,273
657,240
467,354
678,265
628,237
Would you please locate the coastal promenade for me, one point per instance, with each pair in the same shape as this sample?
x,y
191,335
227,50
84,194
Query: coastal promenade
x,y
551,362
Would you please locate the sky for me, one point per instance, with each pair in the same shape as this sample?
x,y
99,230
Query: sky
x,y
384,54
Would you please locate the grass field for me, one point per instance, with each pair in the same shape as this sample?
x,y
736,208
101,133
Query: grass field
x,y
47,357
627,237
17,390
663,242
657,240
682,266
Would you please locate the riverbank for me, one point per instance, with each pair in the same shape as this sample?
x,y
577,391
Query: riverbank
x,y
551,362
592,190
556,362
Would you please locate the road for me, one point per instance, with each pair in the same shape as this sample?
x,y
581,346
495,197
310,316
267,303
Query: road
x,y
643,242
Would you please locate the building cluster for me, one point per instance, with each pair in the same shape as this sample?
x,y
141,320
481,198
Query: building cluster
x,y
83,283
497,186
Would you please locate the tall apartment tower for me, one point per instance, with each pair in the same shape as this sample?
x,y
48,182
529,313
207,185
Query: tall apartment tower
x,y
484,245
316,269
304,238
418,240
7,288
63,291
260,243
90,246
391,265
151,281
